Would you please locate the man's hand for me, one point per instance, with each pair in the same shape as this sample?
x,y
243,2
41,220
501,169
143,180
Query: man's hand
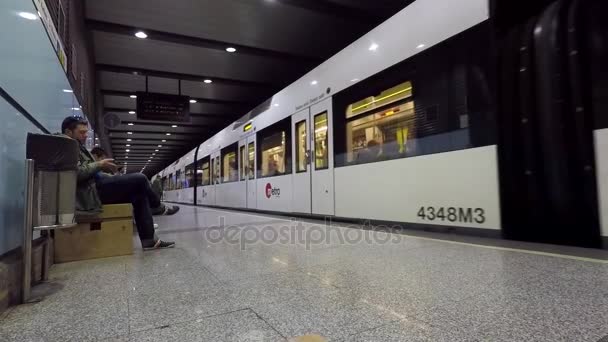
x,y
107,165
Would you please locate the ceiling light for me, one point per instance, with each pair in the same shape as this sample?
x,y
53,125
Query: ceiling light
x,y
421,46
160,145
230,49
131,112
127,150
164,140
141,35
208,81
129,140
355,80
133,96
153,154
96,138
28,15
130,124
193,101
96,144
168,133
129,132
128,145
68,91
174,126
373,47
148,160
155,150
314,82
126,157
75,108
276,104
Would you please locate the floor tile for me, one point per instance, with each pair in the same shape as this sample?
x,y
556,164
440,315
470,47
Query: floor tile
x,y
241,326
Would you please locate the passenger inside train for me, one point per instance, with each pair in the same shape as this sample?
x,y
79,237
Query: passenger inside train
x,y
92,191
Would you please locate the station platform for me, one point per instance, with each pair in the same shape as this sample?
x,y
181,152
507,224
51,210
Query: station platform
x,y
238,276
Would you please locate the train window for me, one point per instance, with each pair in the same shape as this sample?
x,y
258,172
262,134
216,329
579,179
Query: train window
x,y
243,162
301,164
274,149
189,181
434,102
230,171
383,134
204,171
178,180
321,148
251,153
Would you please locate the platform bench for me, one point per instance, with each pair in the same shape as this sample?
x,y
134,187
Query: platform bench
x,y
105,235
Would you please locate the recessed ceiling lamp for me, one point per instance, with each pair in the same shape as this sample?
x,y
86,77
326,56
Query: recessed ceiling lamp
x,y
230,49
131,112
141,35
208,81
193,101
133,96
28,15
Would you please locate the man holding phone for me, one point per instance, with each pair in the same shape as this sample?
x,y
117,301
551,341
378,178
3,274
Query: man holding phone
x,y
92,190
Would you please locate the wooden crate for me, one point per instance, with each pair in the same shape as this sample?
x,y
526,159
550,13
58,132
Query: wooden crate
x,y
113,236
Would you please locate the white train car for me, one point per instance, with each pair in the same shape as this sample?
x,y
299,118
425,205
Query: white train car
x,y
401,126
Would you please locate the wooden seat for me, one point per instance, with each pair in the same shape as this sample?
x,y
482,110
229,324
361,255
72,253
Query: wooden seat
x,y
100,236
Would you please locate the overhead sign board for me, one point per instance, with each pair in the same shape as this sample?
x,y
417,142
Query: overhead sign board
x,y
163,107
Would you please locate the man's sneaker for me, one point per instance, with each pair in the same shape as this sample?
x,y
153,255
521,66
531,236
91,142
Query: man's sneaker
x,y
164,209
170,209
148,245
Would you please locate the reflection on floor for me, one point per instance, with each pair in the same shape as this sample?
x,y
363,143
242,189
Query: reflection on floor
x,y
243,277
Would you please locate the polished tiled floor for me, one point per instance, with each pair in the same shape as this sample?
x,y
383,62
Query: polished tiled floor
x,y
224,282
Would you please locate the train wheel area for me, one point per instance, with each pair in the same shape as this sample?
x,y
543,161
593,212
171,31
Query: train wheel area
x,y
253,277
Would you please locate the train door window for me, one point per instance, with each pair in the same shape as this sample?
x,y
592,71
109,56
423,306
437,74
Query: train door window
x,y
164,183
274,149
216,166
301,136
212,170
171,182
321,148
189,181
242,162
381,127
251,154
204,171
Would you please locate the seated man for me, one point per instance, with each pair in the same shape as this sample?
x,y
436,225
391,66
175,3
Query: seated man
x,y
93,189
100,154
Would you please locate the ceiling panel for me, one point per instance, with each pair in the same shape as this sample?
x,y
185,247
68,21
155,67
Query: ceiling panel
x,y
260,23
150,54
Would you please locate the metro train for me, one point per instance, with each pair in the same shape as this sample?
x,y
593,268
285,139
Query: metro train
x,y
436,119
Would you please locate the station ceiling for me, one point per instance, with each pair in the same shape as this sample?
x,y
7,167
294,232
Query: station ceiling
x,y
275,42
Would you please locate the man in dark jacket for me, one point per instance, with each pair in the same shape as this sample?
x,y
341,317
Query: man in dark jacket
x,y
93,189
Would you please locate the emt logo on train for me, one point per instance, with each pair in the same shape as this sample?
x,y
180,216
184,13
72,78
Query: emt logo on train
x,y
270,191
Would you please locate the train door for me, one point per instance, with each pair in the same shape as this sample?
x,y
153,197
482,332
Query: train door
x,y
300,125
216,175
322,163
251,168
242,165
